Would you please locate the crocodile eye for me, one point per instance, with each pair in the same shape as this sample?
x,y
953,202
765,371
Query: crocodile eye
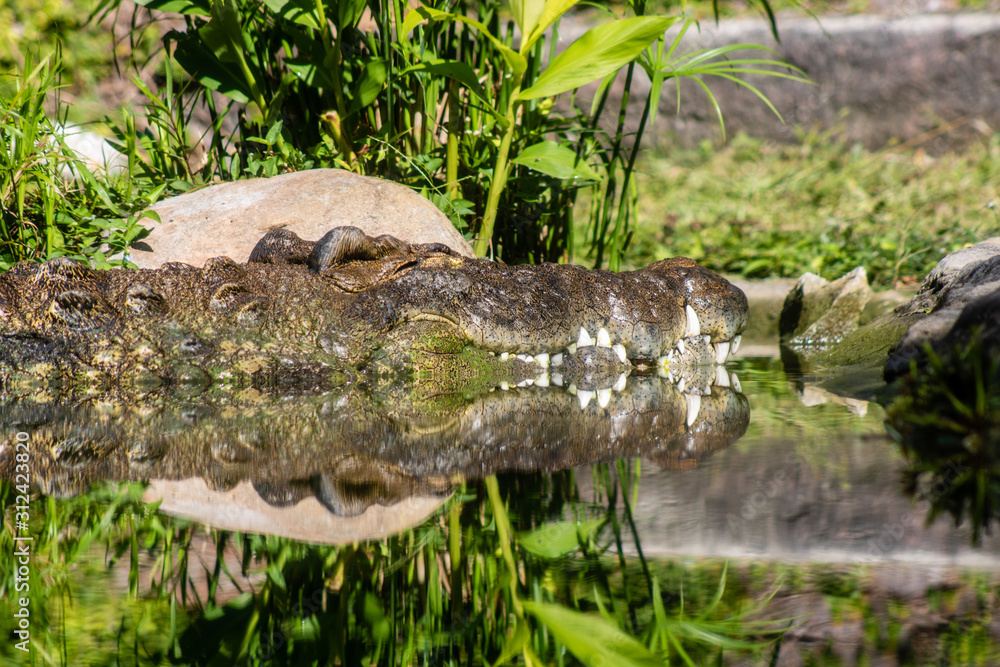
x,y
226,295
144,300
79,310
64,268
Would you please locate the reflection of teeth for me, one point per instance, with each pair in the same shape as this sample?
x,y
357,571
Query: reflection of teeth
x,y
603,397
670,376
556,359
505,356
735,346
542,359
694,406
663,362
620,384
693,325
707,339
706,390
584,397
571,389
680,386
504,386
542,380
662,371
721,352
603,338
721,378
584,340
557,379
620,351
571,349
680,346
525,383
735,381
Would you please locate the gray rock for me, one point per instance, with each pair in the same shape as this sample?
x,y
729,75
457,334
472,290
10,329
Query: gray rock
x,y
229,218
961,292
818,313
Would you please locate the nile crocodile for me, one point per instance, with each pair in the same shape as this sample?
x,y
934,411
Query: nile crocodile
x,y
322,314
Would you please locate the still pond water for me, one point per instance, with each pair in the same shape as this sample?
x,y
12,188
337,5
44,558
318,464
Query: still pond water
x,y
761,523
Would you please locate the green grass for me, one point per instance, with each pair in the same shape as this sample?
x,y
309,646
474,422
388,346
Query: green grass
x,y
759,209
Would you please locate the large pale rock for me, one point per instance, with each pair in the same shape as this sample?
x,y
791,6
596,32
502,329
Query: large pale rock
x,y
818,313
229,218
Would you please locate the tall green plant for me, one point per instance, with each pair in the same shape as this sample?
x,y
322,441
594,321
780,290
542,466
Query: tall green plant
x,y
447,97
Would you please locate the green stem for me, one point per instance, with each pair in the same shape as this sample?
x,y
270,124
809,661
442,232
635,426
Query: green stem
x,y
504,536
454,130
500,172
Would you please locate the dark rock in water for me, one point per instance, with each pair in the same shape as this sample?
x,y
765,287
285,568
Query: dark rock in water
x,y
818,313
958,294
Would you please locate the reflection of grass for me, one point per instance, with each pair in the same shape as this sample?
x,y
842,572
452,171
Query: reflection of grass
x,y
946,417
451,592
476,584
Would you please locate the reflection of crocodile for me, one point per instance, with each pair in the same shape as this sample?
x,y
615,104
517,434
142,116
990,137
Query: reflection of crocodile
x,y
351,448
313,315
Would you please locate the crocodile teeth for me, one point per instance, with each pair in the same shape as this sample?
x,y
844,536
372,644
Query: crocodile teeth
x,y
603,338
680,346
584,340
670,376
525,383
663,361
735,381
694,407
721,352
661,371
571,389
542,380
603,397
571,349
526,358
557,379
543,359
620,384
585,397
620,351
505,356
693,325
735,346
504,386
721,378
681,385
556,359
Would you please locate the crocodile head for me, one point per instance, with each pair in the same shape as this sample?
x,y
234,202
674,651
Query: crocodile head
x,y
316,314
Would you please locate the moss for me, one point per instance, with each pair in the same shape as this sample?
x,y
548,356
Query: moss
x,y
869,345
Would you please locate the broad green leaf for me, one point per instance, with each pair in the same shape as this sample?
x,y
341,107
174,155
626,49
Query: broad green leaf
x,y
526,14
515,644
375,617
371,83
190,7
590,638
421,14
349,12
452,69
551,13
558,161
302,12
598,52
306,70
207,69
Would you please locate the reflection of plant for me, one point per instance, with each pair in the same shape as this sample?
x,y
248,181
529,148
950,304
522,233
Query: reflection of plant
x,y
465,588
946,417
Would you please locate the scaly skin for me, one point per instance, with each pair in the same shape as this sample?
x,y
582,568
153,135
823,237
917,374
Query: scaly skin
x,y
315,315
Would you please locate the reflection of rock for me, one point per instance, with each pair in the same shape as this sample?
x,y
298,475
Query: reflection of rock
x,y
818,313
242,509
812,395
348,450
